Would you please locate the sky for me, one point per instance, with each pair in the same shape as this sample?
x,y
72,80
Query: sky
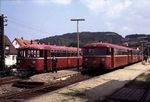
x,y
36,19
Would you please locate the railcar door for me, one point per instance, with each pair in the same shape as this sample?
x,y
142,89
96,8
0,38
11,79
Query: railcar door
x,y
131,56
45,60
112,57
128,56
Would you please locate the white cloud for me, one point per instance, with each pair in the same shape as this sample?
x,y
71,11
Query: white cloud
x,y
41,1
108,7
95,6
117,8
125,29
61,2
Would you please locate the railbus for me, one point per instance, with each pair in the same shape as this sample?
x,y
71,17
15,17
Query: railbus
x,y
37,57
108,56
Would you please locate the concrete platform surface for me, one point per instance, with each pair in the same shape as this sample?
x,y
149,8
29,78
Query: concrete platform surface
x,y
95,89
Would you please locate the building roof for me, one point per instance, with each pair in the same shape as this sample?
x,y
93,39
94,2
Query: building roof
x,y
11,50
23,42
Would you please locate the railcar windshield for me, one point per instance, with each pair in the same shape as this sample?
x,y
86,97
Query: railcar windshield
x,y
30,53
96,51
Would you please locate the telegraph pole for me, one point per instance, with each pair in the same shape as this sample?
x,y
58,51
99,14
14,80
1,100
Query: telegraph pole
x,y
78,55
2,43
148,53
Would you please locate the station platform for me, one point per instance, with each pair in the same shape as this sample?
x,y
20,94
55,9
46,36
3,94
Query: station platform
x,y
96,89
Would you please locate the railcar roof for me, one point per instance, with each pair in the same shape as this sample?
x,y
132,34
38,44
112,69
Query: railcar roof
x,y
48,47
100,44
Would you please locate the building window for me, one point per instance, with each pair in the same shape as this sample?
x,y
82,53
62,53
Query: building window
x,y
16,43
13,57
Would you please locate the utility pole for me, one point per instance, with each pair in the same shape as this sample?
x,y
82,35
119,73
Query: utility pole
x,y
143,41
148,45
2,43
148,53
78,55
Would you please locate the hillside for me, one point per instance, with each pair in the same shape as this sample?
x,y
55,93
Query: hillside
x,y
136,36
137,39
70,39
140,41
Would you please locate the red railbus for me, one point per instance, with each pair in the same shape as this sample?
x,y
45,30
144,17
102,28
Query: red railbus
x,y
108,56
38,57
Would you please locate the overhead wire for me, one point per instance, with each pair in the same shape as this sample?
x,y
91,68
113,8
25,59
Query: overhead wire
x,y
21,31
26,26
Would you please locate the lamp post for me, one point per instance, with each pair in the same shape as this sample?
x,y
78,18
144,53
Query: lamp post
x,y
77,20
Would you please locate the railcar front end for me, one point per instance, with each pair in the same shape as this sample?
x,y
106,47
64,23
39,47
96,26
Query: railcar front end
x,y
30,59
96,58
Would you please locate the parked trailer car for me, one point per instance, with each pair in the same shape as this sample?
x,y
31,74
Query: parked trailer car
x,y
108,56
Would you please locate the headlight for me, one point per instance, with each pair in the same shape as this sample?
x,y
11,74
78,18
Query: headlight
x,y
86,59
18,61
94,62
33,62
102,59
14,70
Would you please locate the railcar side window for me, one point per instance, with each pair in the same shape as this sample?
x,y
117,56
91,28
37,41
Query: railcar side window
x,y
58,53
34,53
30,53
135,52
64,53
120,52
38,53
53,53
41,53
22,53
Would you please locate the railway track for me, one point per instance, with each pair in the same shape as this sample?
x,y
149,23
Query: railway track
x,y
7,80
35,91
